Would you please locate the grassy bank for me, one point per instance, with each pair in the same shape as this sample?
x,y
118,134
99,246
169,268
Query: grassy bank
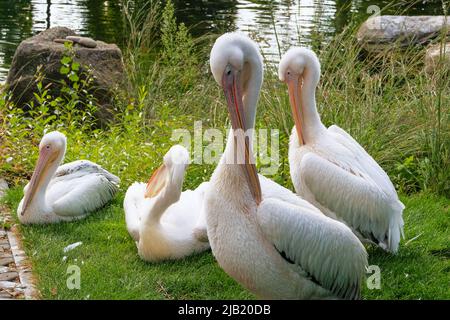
x,y
111,269
400,114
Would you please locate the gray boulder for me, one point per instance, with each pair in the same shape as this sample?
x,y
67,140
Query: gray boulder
x,y
384,32
46,50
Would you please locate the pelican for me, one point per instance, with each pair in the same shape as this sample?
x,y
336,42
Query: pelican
x,y
275,248
64,193
165,222
330,169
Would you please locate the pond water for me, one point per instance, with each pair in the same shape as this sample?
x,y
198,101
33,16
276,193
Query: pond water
x,y
294,20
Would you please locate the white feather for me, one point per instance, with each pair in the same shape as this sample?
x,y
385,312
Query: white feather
x,y
283,247
327,251
170,225
70,191
333,172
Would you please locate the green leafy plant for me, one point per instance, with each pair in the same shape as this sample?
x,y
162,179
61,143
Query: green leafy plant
x,y
395,110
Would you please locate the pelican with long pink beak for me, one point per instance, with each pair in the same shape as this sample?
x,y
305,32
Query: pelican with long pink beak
x,y
67,192
331,169
274,243
166,222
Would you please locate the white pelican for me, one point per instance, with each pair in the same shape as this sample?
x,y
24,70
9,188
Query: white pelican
x,y
64,193
330,169
165,222
276,249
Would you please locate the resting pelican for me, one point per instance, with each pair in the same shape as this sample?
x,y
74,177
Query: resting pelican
x,y
165,222
273,247
330,169
65,193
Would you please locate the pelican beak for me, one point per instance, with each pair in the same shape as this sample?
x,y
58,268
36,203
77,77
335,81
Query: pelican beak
x,y
46,157
157,182
294,98
232,87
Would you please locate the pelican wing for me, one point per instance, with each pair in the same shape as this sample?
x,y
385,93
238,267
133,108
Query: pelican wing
x,y
325,249
200,230
355,197
134,204
363,161
271,189
81,187
82,168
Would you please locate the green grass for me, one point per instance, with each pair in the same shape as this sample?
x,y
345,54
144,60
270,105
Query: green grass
x,y
393,108
110,266
421,270
111,269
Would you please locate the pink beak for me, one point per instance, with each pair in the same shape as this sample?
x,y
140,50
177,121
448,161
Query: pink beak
x,y
157,182
45,157
296,108
233,94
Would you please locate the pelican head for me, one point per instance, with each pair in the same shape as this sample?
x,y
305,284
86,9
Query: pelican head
x,y
175,163
237,66
298,61
51,152
299,66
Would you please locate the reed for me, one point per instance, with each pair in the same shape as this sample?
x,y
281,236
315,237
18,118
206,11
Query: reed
x,y
396,110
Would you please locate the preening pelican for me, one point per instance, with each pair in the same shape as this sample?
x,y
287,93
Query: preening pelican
x,y
165,222
64,193
274,247
330,169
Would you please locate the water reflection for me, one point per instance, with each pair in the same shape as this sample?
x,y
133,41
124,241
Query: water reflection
x,y
207,16
53,13
276,22
15,24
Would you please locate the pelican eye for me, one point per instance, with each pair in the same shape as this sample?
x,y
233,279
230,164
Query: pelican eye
x,y
228,70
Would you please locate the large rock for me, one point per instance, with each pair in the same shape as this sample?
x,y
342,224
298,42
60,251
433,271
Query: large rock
x,y
46,50
437,57
383,32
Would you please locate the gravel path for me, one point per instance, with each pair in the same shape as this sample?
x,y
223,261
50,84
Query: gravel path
x,y
16,279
